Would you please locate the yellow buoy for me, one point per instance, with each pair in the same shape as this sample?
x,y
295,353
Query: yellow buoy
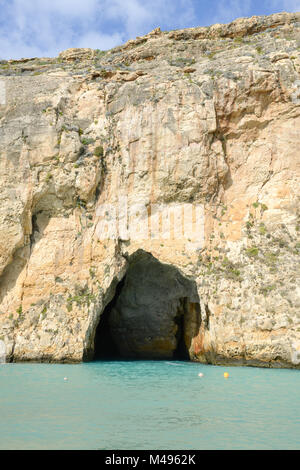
x,y
226,375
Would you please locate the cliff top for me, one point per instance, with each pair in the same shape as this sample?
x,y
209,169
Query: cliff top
x,y
278,25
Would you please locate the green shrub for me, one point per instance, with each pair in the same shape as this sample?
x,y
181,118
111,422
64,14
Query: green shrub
x,y
88,141
211,55
100,53
48,177
262,229
20,310
99,151
266,289
252,251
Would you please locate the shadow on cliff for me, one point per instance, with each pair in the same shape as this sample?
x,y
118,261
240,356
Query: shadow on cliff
x,y
21,256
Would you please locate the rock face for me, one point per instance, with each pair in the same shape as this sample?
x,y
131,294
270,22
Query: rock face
x,y
177,155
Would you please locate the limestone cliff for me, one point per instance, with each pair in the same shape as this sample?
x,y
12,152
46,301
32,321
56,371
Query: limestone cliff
x,y
200,122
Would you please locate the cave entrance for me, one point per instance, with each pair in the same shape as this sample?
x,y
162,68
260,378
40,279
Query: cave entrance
x,y
105,347
154,314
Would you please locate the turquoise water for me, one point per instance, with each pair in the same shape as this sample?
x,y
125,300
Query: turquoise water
x,y
148,405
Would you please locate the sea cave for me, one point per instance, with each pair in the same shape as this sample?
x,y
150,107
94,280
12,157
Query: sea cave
x,y
154,314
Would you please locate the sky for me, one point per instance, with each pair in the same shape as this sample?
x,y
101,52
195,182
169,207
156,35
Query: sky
x,y
43,28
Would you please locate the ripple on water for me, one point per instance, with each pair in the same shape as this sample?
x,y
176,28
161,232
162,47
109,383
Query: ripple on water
x,y
146,405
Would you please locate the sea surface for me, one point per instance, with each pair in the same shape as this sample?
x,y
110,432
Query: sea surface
x,y
140,405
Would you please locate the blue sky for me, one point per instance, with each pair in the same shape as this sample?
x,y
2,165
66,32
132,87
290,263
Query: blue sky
x,y
43,28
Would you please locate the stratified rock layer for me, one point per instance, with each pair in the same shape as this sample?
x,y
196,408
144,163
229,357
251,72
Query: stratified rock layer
x,y
202,119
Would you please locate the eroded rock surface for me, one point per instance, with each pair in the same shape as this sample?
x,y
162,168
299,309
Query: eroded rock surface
x,y
207,118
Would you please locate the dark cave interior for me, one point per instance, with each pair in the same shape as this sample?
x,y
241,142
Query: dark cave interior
x,y
146,319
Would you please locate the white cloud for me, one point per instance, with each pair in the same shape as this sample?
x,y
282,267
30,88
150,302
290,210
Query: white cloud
x,y
139,16
45,27
31,28
229,10
285,5
68,8
98,41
